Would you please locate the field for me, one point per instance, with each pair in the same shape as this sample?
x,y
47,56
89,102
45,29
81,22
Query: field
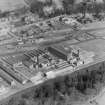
x,y
95,25
96,46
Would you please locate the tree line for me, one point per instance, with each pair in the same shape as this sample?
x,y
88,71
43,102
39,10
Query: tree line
x,y
69,7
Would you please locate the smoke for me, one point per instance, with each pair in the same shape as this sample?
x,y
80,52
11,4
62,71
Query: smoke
x,y
48,10
57,4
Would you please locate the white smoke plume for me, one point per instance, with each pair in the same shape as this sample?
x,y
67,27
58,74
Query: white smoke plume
x,y
48,10
56,4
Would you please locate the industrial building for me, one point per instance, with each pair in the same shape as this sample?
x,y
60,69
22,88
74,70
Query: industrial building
x,y
29,64
60,51
66,53
26,72
14,60
18,77
7,78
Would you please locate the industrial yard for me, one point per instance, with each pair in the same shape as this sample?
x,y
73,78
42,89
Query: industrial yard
x,y
27,63
51,61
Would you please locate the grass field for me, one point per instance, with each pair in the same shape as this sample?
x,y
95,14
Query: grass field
x,y
96,46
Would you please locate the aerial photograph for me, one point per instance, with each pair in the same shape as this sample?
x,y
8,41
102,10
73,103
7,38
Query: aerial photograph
x,y
52,52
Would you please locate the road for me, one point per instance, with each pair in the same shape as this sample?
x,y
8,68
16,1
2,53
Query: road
x,y
22,48
58,33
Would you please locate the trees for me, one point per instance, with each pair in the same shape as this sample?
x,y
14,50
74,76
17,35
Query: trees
x,y
15,101
22,102
68,6
98,8
37,7
11,101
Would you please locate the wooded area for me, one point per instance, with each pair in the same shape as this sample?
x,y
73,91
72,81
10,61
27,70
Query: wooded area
x,y
66,7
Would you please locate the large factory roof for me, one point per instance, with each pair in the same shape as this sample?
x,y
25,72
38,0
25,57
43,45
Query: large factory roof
x,y
15,59
62,48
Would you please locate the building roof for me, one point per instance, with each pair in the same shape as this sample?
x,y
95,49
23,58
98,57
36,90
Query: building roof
x,y
62,48
15,59
34,53
28,63
8,79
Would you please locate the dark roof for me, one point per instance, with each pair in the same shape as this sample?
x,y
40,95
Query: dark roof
x,y
6,77
62,48
34,52
28,63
